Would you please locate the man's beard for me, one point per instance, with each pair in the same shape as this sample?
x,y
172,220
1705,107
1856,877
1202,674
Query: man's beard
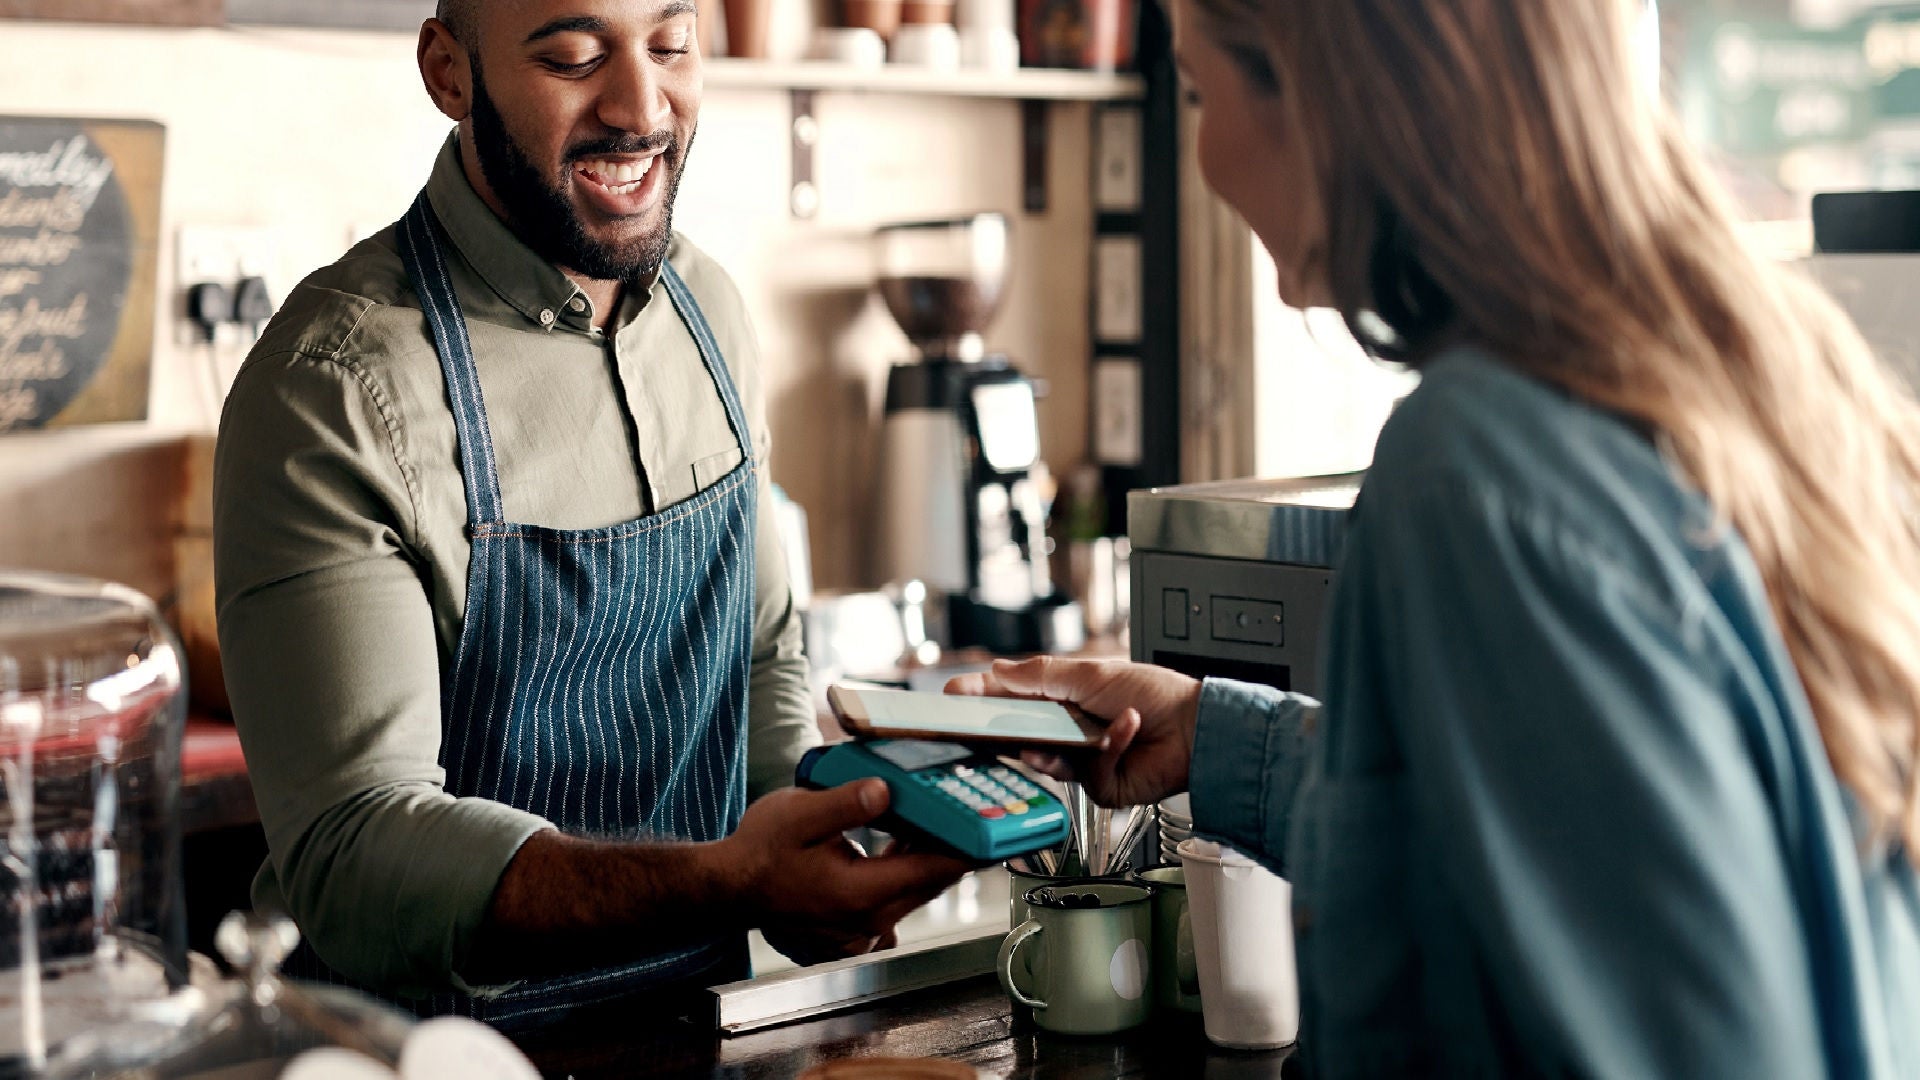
x,y
540,214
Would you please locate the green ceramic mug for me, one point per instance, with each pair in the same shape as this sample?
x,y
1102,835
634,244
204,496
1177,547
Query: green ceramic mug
x,y
1095,974
1022,879
1176,976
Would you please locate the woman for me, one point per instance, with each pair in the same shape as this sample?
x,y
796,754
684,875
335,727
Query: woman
x,y
1616,773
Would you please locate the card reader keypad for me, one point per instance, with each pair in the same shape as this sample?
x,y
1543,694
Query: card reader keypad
x,y
992,792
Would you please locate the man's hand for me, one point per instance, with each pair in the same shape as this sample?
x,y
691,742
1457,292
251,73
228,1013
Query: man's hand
x,y
803,879
1150,713
813,945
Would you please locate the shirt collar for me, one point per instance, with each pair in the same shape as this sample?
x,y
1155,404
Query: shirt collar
x,y
530,284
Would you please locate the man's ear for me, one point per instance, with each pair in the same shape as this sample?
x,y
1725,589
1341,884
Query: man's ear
x,y
446,70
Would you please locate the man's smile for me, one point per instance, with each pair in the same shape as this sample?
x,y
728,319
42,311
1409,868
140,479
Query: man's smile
x,y
621,186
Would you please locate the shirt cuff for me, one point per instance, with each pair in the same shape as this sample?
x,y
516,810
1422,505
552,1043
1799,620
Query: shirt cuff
x,y
1248,741
455,869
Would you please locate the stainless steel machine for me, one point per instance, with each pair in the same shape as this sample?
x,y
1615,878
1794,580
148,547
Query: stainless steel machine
x,y
1232,579
963,494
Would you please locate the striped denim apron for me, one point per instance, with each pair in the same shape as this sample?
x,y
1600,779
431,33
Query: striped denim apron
x,y
601,675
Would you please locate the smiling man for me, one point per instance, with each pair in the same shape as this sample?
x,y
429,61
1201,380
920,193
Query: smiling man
x,y
502,609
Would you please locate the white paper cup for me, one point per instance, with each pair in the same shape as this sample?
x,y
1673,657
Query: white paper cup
x,y
1242,917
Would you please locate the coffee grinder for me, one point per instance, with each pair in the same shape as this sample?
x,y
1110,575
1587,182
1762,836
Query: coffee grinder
x,y
963,494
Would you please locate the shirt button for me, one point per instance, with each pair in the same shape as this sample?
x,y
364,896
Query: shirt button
x,y
577,305
546,316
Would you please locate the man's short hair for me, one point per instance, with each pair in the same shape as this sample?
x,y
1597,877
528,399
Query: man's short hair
x,y
460,17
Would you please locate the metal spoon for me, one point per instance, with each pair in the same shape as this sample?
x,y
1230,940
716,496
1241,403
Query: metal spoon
x,y
1130,837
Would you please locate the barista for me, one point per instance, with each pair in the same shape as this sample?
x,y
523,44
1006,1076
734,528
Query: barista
x,y
506,628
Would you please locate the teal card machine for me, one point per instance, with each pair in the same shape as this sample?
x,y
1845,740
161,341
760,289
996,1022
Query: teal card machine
x,y
970,801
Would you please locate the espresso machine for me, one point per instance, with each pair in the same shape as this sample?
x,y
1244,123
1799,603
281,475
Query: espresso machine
x,y
963,494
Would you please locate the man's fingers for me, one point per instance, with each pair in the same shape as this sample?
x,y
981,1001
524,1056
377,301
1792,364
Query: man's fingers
x,y
913,876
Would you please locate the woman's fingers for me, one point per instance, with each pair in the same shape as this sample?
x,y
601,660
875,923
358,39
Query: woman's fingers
x,y
1120,735
1052,764
1027,676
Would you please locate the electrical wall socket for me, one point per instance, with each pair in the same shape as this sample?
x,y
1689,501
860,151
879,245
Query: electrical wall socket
x,y
222,255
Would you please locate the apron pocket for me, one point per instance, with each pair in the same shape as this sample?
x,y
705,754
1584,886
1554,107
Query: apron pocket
x,y
709,470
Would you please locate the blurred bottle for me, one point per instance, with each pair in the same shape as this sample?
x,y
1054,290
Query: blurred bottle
x,y
1092,35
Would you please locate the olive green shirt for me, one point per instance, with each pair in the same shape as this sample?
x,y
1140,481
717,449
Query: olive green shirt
x,y
341,558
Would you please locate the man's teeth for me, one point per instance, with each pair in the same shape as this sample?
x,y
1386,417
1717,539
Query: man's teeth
x,y
618,177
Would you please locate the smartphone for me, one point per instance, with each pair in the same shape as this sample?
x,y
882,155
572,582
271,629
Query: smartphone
x,y
880,712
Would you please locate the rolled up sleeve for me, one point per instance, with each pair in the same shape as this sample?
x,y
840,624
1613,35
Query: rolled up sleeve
x,y
333,667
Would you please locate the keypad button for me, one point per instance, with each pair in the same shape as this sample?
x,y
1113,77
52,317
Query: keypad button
x,y
992,812
1016,807
1038,800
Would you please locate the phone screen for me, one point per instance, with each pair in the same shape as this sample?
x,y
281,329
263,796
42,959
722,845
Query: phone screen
x,y
1005,718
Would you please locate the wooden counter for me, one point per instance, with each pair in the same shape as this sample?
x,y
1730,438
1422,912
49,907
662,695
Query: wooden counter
x,y
971,1022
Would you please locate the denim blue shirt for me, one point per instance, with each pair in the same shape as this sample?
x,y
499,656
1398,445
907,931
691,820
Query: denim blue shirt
x,y
1565,809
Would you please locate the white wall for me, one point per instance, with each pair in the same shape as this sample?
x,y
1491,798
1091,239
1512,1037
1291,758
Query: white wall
x,y
1321,399
315,135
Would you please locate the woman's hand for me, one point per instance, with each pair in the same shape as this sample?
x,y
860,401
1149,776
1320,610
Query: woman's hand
x,y
1150,713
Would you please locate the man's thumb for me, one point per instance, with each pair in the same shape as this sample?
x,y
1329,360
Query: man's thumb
x,y
849,806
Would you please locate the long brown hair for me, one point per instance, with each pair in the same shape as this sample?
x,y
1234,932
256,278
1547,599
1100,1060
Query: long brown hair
x,y
1496,171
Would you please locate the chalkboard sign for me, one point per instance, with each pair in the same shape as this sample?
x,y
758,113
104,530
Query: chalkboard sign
x,y
79,229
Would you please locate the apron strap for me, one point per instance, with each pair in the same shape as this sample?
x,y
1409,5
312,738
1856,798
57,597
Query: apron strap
x,y
696,323
427,266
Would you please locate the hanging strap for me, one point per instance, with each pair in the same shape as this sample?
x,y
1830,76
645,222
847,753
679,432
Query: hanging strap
x,y
426,264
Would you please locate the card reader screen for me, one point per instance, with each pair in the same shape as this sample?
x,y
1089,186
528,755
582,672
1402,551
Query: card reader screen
x,y
914,755
944,714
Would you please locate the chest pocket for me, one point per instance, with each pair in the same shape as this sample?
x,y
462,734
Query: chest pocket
x,y
708,470
1358,965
